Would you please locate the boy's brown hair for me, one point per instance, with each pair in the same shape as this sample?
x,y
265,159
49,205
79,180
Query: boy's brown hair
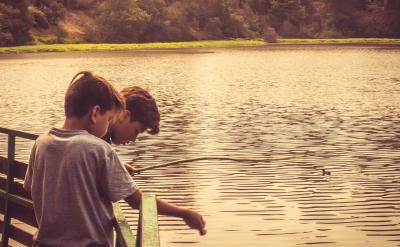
x,y
143,108
90,90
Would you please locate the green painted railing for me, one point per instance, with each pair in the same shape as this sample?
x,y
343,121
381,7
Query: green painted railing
x,y
147,230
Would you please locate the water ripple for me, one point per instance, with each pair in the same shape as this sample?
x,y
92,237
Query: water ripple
x,y
318,108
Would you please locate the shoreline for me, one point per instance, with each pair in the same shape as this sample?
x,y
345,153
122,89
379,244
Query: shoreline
x,y
193,45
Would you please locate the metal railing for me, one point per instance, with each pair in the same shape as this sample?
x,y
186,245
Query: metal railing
x,y
147,230
8,195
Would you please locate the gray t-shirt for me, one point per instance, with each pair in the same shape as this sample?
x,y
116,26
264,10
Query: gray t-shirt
x,y
74,177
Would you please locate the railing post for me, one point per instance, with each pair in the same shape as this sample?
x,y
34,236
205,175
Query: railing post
x,y
124,236
139,232
10,183
147,232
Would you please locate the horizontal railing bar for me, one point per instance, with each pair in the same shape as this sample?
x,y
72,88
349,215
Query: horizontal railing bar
x,y
20,213
16,199
19,168
19,234
18,188
18,133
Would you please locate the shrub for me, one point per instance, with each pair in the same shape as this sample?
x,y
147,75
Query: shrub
x,y
269,34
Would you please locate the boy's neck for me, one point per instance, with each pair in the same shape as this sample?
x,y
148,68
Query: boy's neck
x,y
75,123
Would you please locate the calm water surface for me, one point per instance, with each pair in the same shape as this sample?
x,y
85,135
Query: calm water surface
x,y
305,108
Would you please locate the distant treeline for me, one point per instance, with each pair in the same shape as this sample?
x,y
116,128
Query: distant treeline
x,y
128,21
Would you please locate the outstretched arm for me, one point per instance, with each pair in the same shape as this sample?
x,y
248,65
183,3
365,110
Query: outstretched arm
x,y
192,218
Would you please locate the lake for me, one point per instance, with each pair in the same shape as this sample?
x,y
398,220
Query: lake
x,y
304,108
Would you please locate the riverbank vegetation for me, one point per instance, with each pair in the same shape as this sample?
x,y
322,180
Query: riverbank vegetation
x,y
192,45
29,22
133,46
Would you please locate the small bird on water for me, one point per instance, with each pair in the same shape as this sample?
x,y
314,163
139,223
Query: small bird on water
x,y
325,172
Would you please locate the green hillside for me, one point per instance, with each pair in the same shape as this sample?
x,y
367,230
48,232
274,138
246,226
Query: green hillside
x,y
24,22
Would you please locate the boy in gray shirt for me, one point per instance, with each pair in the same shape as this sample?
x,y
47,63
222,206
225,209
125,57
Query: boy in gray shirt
x,y
74,176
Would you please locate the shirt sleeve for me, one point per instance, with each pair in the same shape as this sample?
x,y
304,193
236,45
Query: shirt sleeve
x,y
115,179
29,172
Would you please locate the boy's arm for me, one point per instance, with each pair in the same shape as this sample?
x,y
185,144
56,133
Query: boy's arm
x,y
191,218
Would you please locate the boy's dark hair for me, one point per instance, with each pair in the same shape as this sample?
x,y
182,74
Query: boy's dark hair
x,y
88,91
143,108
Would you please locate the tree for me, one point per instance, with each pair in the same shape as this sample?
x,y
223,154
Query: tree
x,y
155,27
290,10
121,21
53,9
262,7
286,16
15,22
6,37
344,15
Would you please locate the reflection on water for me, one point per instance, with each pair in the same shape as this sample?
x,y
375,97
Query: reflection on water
x,y
305,108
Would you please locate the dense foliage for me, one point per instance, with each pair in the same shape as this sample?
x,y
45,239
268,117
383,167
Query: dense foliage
x,y
124,21
15,22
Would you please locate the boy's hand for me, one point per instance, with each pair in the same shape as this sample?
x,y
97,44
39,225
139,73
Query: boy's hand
x,y
130,169
195,220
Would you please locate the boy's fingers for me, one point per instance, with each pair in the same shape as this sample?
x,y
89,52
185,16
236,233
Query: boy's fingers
x,y
202,223
130,169
203,230
196,221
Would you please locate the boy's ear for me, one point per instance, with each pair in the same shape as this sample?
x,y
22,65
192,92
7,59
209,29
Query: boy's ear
x,y
123,115
94,112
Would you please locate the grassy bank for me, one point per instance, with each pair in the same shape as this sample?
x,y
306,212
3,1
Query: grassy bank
x,y
192,44
355,41
120,47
